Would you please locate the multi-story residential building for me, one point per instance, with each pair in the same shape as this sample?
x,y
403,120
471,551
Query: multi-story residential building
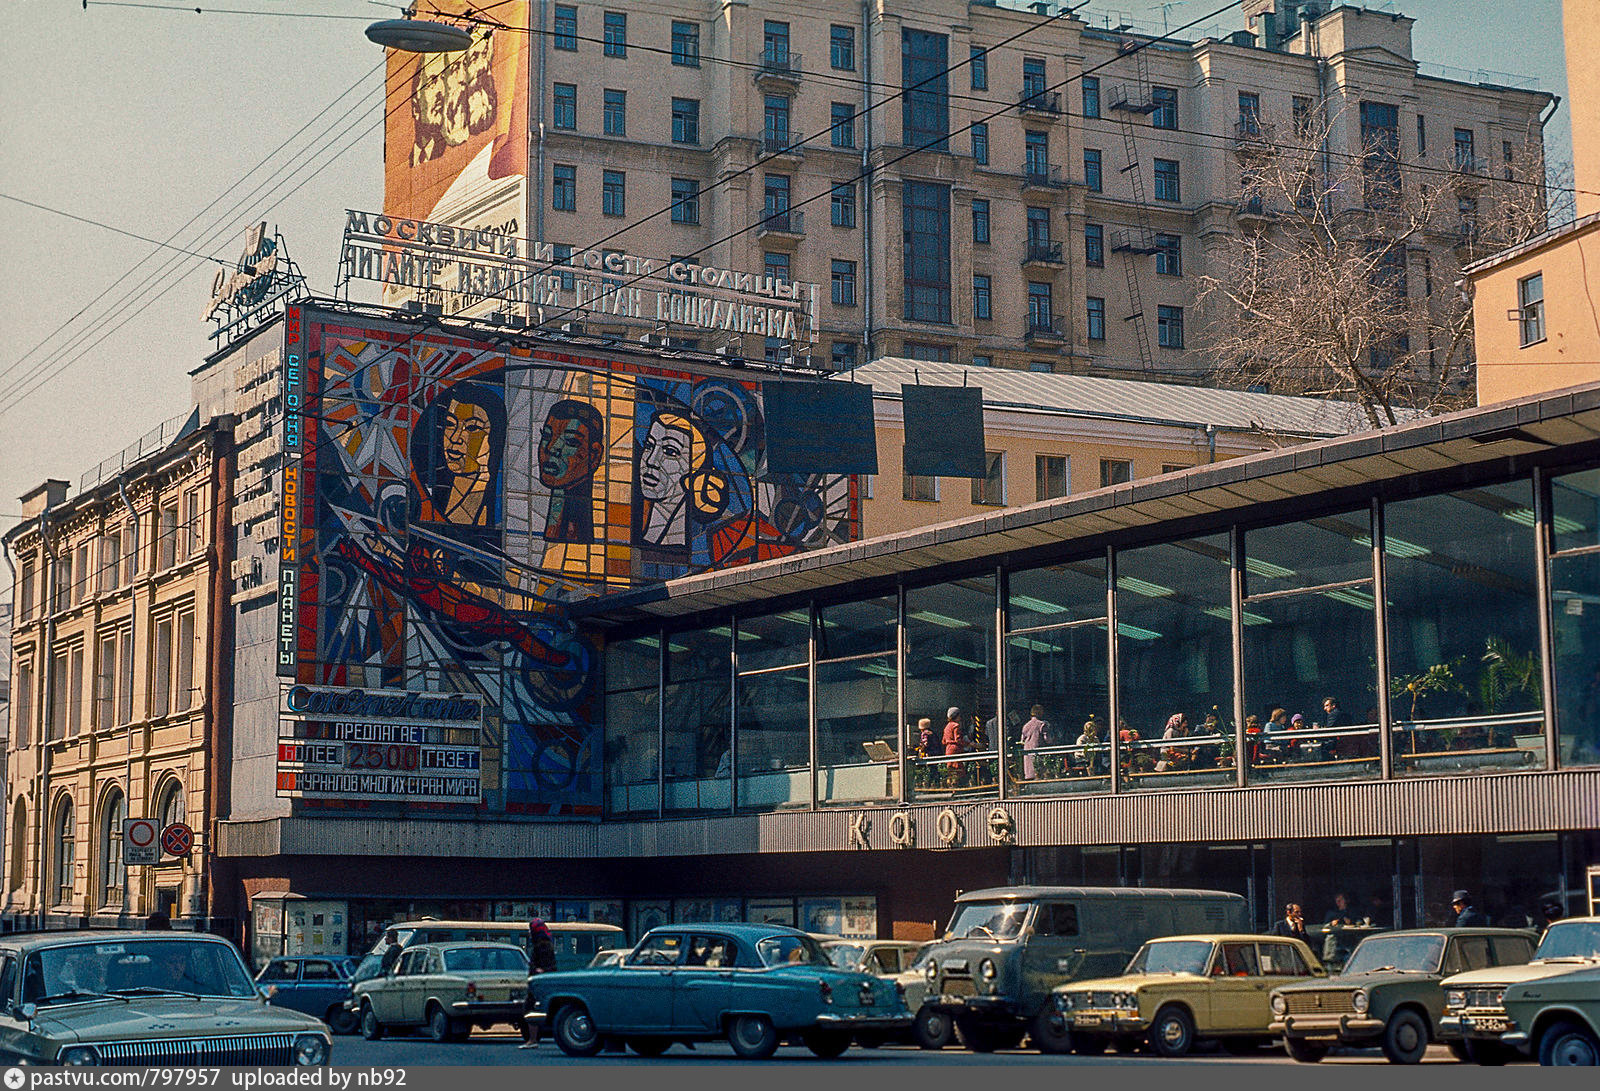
x,y
1043,194
117,599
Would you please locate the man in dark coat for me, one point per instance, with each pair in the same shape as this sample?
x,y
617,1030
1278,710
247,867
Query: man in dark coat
x,y
1467,916
1293,924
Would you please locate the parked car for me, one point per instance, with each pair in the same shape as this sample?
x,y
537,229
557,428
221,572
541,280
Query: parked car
x,y
1179,990
886,958
930,1027
315,984
447,989
1475,1012
1561,1015
611,956
1389,993
1008,947
753,985
576,942
144,998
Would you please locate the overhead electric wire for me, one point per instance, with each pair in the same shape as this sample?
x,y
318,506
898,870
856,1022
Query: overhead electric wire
x,y
114,229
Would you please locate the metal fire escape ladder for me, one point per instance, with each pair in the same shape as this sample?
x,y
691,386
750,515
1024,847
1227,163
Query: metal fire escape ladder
x,y
1129,103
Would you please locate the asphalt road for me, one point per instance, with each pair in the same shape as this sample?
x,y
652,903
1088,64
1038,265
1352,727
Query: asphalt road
x,y
497,1048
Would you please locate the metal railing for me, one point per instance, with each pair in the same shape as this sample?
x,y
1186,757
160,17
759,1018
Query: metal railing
x,y
785,141
784,65
1046,329
788,222
1040,102
1043,177
147,444
1048,253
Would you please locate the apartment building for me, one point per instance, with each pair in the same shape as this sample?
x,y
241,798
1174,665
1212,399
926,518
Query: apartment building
x,y
114,704
1044,194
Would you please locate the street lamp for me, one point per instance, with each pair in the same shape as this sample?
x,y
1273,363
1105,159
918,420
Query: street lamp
x,y
419,36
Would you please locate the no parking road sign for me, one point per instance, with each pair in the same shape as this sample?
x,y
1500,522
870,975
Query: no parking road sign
x,y
177,839
139,842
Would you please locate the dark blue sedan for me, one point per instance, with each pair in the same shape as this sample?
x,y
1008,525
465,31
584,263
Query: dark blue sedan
x,y
315,984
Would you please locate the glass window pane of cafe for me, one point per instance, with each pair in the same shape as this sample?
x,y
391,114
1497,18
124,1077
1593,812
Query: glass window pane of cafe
x,y
1464,662
950,688
633,722
1310,649
698,715
857,702
1575,615
1175,676
1057,691
773,756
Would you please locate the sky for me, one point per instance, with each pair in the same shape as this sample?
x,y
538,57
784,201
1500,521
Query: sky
x,y
145,120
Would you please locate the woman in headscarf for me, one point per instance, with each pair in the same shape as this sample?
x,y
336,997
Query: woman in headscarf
x,y
541,947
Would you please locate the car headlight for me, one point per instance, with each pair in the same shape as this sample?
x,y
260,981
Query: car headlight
x,y
1359,1002
80,1055
310,1049
1455,999
1125,1000
986,969
1279,1004
931,971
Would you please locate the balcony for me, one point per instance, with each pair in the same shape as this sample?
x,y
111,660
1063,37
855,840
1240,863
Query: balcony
x,y
789,225
1043,254
1253,137
785,143
1045,104
1134,100
1256,210
1133,242
778,69
1469,171
1046,331
1037,177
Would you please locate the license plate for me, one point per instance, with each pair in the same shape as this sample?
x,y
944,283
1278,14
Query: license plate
x,y
1086,1021
1488,1023
958,987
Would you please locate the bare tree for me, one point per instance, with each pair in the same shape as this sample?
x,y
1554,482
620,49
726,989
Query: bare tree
x,y
1341,279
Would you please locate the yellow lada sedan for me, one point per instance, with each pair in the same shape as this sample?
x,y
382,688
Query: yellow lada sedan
x,y
143,998
445,989
1181,989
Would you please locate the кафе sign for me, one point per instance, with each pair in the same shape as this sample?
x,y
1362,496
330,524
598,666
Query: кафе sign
x,y
477,264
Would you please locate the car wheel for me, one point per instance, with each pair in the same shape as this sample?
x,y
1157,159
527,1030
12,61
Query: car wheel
x,y
1568,1044
371,1029
1303,1051
341,1020
1172,1033
1405,1037
932,1028
827,1044
439,1028
872,1039
649,1047
1050,1032
1489,1054
752,1037
575,1032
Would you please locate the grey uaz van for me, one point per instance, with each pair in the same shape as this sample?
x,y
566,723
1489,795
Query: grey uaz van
x,y
1007,947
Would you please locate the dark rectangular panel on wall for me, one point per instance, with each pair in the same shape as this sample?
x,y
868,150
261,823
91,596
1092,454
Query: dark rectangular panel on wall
x,y
820,428
944,431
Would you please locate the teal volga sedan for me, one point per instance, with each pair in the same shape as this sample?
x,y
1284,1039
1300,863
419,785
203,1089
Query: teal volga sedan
x,y
751,985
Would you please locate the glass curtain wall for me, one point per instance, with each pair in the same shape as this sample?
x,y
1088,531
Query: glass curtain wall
x,y
858,740
1057,687
1175,659
951,688
1575,615
1465,675
698,706
633,725
1310,650
774,694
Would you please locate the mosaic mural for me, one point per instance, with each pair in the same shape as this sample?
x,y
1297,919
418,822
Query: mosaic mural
x,y
464,496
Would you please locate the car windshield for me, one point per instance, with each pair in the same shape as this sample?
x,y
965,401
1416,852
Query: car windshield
x,y
1570,939
369,968
506,959
989,920
1181,956
846,956
1417,954
920,959
791,951
81,971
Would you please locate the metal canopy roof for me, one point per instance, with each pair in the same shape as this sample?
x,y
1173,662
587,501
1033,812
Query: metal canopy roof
x,y
1474,437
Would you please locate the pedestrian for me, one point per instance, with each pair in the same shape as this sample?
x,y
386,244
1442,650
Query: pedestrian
x,y
1293,924
391,952
541,947
1467,916
157,922
1035,733
1550,912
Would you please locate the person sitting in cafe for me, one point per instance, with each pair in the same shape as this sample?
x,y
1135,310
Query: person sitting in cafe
x,y
1273,746
1093,758
1174,758
1252,737
1293,924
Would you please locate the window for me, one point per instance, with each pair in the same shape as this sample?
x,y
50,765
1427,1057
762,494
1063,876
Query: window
x,y
65,845
686,44
19,841
1169,255
173,809
1422,136
564,112
1094,244
60,666
1057,920
1165,100
980,220
1169,327
775,109
1091,96
84,569
1380,151
775,44
78,696
564,189
925,227
1039,310
616,34
918,487
194,523
1038,230
1249,112
843,355
921,350
1036,154
1172,467
842,132
562,255
1530,301
106,678
566,28
614,193
982,361
1115,471
22,705
1167,187
616,112
990,489
1033,81
981,297
924,74
28,582
1049,476
161,670
775,197
842,48
842,204
1091,170
1302,115
775,265
980,68
844,283
1097,318
685,201
64,578
1465,159
686,121
113,810
980,143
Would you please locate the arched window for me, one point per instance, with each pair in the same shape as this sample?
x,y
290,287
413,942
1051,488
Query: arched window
x,y
65,833
172,807
19,845
112,812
